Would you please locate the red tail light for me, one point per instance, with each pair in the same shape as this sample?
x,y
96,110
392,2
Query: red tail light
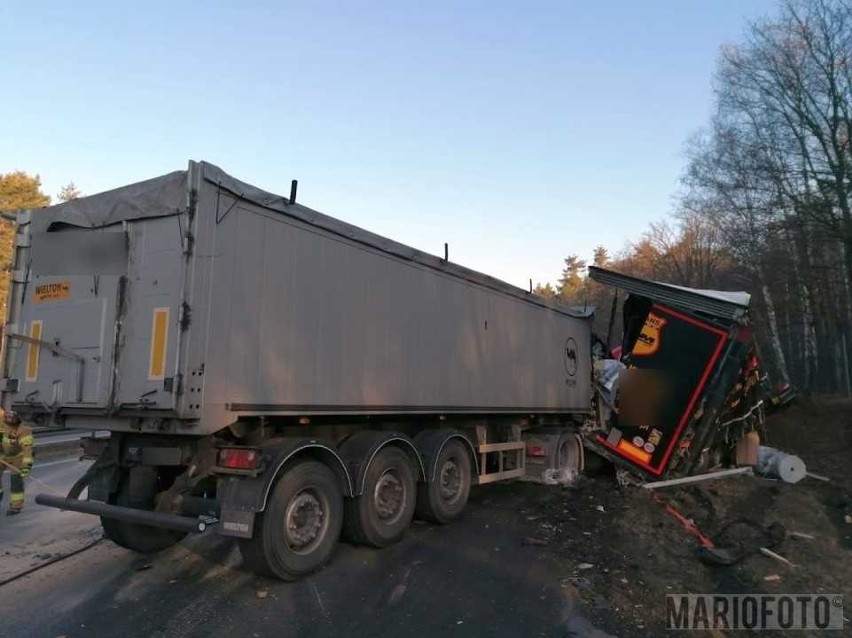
x,y
536,450
239,458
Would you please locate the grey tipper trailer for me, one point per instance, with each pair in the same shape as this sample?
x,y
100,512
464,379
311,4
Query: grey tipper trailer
x,y
275,373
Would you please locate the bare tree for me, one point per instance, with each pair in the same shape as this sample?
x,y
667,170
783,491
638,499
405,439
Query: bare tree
x,y
69,192
728,189
773,175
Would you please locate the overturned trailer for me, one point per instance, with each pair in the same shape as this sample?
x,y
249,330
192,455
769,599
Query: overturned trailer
x,y
282,377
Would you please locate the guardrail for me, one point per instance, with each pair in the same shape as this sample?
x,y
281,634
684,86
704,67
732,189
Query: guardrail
x,y
52,443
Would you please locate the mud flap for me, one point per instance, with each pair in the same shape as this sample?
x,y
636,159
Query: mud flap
x,y
241,496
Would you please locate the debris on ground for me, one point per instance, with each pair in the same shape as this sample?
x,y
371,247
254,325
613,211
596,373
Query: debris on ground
x,y
801,535
649,555
262,592
775,464
778,557
529,540
818,477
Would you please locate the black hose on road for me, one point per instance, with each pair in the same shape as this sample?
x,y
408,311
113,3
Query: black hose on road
x,y
52,561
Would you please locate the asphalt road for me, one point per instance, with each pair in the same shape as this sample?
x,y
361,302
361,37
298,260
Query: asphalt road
x,y
39,533
474,577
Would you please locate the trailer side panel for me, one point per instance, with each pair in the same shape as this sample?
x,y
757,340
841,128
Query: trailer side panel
x,y
304,321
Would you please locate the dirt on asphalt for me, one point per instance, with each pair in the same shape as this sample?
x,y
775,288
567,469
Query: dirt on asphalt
x,y
622,553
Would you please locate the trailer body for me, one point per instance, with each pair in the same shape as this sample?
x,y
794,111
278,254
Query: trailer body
x,y
272,373
183,303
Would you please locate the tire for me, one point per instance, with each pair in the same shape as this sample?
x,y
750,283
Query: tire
x,y
382,513
445,497
307,500
138,538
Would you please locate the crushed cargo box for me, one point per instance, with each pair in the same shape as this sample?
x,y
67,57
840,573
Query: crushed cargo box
x,y
689,390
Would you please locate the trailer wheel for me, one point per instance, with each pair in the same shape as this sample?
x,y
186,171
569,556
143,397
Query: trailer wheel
x,y
138,488
445,497
299,530
382,513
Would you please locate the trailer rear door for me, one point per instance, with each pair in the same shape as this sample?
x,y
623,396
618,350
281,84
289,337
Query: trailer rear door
x,y
64,342
99,321
147,362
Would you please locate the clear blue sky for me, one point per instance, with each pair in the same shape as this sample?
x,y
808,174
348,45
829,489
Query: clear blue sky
x,y
519,132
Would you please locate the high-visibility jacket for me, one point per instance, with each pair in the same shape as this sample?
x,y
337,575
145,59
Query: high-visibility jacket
x,y
16,450
17,445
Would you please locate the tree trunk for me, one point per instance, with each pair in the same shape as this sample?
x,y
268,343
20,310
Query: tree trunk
x,y
809,336
774,337
791,345
846,276
810,352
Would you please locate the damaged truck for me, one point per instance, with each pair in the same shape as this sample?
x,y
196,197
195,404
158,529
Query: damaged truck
x,y
279,376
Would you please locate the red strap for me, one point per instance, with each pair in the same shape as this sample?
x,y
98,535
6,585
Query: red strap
x,y
686,523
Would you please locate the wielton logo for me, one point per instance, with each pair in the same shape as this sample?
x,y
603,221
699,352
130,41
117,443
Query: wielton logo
x,y
571,357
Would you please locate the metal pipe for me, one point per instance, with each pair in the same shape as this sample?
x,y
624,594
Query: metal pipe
x,y
697,478
162,520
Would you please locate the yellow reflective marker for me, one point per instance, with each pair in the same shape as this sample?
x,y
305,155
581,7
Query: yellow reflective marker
x,y
33,351
159,340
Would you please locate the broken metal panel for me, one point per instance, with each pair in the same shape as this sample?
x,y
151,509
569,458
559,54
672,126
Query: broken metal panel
x,y
730,306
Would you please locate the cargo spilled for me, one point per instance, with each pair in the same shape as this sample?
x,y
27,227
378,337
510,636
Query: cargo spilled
x,y
279,376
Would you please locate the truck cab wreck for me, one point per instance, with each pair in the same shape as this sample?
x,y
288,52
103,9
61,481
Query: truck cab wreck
x,y
686,395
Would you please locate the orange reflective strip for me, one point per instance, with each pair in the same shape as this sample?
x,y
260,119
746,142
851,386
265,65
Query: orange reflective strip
x,y
159,340
633,452
33,351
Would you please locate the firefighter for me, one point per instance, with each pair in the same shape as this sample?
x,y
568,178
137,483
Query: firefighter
x,y
17,458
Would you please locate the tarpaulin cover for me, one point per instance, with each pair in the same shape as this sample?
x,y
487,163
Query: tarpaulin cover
x,y
157,197
167,195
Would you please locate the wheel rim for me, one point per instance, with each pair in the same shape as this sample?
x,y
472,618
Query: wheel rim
x,y
389,496
305,521
450,481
